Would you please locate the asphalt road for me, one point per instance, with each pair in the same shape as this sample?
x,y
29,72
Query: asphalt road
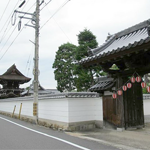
x,y
16,134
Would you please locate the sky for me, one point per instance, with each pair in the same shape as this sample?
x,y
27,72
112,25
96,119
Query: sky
x,y
60,22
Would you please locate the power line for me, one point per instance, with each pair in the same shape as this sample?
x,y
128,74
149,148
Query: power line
x,y
11,43
4,34
10,37
27,23
8,22
21,30
62,30
54,13
46,4
8,18
59,26
4,10
27,68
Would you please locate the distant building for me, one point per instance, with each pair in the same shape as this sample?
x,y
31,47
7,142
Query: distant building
x,y
11,81
41,91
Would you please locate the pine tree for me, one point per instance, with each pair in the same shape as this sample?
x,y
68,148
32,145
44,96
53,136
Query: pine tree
x,y
85,77
63,65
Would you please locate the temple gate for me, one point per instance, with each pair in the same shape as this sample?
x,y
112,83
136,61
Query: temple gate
x,y
129,50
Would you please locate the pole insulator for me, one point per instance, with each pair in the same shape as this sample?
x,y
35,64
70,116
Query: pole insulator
x,y
19,25
22,4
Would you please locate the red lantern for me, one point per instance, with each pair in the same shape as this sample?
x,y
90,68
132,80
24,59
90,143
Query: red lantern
x,y
148,89
114,95
124,88
143,84
138,79
132,79
119,92
129,85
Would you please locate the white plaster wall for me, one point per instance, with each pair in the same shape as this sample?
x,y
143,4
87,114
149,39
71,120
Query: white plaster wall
x,y
27,108
147,107
8,106
54,109
85,109
66,110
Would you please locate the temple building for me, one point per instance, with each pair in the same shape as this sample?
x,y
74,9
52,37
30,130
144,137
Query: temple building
x,y
11,81
129,51
41,91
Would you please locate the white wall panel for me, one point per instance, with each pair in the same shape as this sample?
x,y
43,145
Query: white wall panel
x,y
54,109
146,107
85,109
27,108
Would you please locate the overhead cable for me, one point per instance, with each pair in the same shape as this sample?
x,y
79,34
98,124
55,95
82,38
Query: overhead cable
x,y
54,13
4,34
7,24
8,38
5,10
7,21
59,26
14,39
11,44
46,4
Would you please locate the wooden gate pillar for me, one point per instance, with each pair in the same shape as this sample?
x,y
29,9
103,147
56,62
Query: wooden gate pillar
x,y
120,103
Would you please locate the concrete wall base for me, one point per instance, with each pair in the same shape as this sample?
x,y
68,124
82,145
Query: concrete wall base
x,y
56,125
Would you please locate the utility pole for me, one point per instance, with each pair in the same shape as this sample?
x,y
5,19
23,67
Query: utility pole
x,y
36,63
35,24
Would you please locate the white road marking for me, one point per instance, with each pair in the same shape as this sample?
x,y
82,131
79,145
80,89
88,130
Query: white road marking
x,y
53,137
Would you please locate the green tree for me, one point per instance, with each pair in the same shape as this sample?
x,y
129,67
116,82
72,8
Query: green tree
x,y
63,65
86,40
85,77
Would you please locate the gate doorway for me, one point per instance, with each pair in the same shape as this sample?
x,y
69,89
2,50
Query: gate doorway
x,y
111,112
127,113
133,106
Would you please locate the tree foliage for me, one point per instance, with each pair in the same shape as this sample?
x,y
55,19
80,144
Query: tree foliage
x,y
70,75
85,76
63,65
86,40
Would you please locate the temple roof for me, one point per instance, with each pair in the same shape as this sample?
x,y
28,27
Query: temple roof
x,y
13,74
104,83
120,42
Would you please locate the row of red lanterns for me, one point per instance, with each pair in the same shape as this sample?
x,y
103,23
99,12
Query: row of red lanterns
x,y
129,85
137,79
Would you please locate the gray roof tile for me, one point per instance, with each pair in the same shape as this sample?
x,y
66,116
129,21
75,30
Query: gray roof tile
x,y
121,41
103,84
